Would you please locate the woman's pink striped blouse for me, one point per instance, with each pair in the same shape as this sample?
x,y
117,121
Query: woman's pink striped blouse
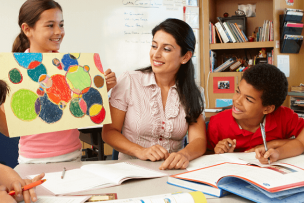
x,y
146,122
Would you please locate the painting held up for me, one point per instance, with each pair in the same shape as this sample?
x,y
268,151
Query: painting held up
x,y
53,92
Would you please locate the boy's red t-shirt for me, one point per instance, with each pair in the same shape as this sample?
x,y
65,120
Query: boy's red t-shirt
x,y
283,123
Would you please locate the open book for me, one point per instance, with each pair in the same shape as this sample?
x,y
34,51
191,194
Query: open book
x,y
269,181
95,176
241,158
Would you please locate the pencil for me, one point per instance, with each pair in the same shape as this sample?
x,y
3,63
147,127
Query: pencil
x,y
264,139
29,186
63,172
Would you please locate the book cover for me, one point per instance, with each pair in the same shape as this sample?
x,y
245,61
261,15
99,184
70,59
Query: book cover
x,y
222,33
229,32
221,23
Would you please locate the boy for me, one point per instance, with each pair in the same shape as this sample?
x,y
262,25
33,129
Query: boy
x,y
258,99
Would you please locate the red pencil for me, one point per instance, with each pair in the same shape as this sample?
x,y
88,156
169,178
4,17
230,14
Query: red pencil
x,y
29,186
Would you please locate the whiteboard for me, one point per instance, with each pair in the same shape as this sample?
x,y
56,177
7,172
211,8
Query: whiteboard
x,y
119,30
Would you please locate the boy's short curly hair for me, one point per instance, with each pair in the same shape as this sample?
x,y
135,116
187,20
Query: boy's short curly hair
x,y
270,80
4,90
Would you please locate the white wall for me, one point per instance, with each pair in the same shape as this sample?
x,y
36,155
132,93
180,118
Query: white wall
x,y
119,30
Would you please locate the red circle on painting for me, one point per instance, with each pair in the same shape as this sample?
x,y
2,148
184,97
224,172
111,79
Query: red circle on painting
x,y
99,117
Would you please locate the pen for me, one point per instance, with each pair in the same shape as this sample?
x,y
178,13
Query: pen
x,y
63,172
29,186
264,139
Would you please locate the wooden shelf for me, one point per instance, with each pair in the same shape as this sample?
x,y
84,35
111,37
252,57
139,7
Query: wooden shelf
x,y
244,45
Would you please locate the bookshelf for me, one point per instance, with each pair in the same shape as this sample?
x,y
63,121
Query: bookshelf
x,y
265,10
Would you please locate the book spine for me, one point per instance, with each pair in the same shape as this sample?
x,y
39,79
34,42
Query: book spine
x,y
213,32
237,32
221,23
229,32
224,65
246,39
222,33
232,31
218,34
237,27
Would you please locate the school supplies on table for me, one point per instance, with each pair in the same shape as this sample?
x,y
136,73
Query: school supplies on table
x,y
193,197
95,176
29,186
273,181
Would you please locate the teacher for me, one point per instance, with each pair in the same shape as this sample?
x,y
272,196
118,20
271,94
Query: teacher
x,y
153,108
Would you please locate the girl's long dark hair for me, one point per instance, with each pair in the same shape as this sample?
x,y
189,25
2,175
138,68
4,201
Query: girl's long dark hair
x,y
188,91
4,90
29,13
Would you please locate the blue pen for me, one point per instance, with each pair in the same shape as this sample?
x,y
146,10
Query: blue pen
x,y
264,139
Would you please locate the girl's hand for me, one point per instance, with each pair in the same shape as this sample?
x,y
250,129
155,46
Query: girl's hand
x,y
111,79
27,195
154,153
262,156
176,160
4,196
224,146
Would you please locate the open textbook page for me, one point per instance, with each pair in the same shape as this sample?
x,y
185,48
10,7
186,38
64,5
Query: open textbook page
x,y
65,199
191,197
95,176
241,158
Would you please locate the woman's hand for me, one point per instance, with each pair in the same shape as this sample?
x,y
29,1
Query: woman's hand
x,y
27,195
224,146
176,160
154,153
4,196
111,79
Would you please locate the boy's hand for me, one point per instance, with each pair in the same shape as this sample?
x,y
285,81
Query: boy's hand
x,y
263,157
224,146
4,196
27,195
111,79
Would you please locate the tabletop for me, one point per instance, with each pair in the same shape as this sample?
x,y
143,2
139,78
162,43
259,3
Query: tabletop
x,y
128,189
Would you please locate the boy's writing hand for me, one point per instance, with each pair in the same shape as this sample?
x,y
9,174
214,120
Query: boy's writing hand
x,y
153,153
110,78
224,146
175,160
27,195
4,196
263,157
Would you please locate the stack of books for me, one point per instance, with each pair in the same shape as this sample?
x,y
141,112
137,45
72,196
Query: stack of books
x,y
265,33
229,32
224,66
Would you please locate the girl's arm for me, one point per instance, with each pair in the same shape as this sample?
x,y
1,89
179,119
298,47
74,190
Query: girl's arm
x,y
111,134
196,147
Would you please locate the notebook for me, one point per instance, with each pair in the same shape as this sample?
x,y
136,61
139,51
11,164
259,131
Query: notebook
x,y
95,176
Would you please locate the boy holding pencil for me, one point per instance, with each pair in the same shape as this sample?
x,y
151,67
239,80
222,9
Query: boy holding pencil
x,y
9,179
258,99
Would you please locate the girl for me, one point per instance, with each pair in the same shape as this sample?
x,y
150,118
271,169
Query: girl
x,y
42,30
153,108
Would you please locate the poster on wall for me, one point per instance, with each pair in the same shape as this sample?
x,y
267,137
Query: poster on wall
x,y
53,92
223,84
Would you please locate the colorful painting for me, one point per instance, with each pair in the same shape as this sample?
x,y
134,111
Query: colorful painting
x,y
54,91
